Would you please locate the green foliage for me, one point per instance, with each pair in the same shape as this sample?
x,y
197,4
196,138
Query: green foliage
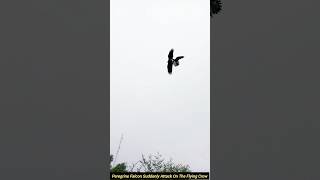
x,y
122,167
155,163
152,163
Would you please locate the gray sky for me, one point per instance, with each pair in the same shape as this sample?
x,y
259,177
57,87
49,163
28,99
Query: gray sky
x,y
155,111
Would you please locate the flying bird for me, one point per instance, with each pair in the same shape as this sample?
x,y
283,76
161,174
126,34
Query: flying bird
x,y
172,62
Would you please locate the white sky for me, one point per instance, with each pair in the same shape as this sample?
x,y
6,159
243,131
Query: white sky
x,y
155,111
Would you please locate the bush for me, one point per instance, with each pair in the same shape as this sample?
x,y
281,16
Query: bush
x,y
152,163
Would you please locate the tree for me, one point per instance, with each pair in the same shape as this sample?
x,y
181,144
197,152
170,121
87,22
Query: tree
x,y
121,167
152,163
155,163
215,7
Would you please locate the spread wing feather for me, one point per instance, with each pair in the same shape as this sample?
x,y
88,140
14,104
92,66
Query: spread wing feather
x,y
179,57
170,55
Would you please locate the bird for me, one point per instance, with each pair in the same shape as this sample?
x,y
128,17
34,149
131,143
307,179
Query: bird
x,y
172,62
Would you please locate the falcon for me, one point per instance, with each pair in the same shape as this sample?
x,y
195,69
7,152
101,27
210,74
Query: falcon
x,y
172,62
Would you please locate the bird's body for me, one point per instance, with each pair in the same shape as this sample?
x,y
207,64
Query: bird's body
x,y
169,66
172,61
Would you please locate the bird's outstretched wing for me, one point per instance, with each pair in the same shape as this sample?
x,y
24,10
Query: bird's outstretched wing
x,y
179,57
169,66
176,61
170,55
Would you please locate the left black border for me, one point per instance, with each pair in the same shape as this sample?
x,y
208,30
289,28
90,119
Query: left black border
x,y
54,102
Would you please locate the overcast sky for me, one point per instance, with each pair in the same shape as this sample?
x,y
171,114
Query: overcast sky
x,y
155,111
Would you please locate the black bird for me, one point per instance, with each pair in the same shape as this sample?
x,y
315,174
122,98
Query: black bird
x,y
172,61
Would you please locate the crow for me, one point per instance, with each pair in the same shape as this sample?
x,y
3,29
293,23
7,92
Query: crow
x,y
172,61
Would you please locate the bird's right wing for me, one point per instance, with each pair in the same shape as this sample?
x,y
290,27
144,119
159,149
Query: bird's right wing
x,y
179,57
170,55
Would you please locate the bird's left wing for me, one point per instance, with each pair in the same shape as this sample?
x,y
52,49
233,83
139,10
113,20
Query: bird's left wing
x,y
170,55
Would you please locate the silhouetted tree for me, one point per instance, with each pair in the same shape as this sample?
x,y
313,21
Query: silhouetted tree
x,y
121,167
215,7
152,163
155,163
